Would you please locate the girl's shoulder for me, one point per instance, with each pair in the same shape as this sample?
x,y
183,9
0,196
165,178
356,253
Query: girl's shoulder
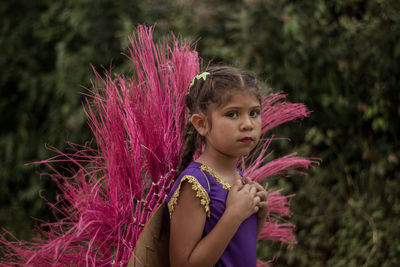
x,y
199,183
194,174
192,169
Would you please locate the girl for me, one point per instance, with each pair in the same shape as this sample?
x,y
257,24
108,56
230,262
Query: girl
x,y
216,214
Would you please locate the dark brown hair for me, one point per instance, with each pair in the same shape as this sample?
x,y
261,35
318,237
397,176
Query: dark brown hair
x,y
216,88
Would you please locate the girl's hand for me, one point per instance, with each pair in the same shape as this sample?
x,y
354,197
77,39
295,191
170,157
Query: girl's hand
x,y
242,201
263,195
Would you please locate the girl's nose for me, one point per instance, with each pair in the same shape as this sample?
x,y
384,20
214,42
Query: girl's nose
x,y
246,124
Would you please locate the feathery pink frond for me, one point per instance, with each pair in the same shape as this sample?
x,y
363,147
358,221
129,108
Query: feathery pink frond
x,y
275,113
137,123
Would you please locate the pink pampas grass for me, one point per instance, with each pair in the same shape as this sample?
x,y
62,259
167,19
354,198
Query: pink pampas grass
x,y
137,123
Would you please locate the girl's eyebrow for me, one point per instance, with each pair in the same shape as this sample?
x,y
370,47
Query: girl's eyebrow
x,y
256,106
238,107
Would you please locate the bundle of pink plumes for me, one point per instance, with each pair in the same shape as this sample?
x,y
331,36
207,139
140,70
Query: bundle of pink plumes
x,y
138,123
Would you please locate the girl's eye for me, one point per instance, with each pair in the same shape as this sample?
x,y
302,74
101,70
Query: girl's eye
x,y
232,114
254,113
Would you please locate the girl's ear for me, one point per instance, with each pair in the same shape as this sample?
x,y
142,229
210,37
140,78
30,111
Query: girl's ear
x,y
199,122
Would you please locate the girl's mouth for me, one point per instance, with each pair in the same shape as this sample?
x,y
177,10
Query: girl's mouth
x,y
246,140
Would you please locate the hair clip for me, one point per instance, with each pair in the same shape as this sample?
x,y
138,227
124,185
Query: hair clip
x,y
202,75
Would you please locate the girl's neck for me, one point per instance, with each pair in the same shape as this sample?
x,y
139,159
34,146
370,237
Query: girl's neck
x,y
223,165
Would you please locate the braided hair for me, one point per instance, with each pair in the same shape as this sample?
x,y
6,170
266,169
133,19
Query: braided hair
x,y
215,88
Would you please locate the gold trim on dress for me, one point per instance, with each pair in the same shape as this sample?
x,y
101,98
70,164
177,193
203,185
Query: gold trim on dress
x,y
201,193
224,184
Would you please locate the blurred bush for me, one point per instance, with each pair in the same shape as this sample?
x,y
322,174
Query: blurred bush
x,y
341,58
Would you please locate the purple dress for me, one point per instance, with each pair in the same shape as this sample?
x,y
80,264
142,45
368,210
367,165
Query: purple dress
x,y
212,191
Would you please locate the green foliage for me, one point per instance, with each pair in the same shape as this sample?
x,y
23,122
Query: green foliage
x,y
339,57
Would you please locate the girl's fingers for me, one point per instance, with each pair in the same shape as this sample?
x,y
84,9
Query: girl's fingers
x,y
260,191
262,194
246,188
237,185
262,204
247,180
253,191
256,209
258,186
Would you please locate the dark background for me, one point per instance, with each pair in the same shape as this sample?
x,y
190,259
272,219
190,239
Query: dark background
x,y
340,57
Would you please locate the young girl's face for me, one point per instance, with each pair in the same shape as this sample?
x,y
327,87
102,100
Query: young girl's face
x,y
235,125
